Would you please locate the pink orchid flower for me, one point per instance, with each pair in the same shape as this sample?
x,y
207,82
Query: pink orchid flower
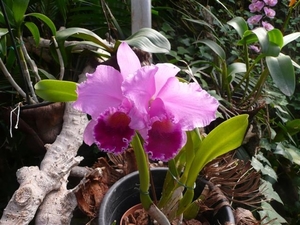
x,y
149,100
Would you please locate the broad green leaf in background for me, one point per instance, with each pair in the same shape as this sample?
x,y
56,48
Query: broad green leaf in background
x,y
149,40
288,151
275,36
84,34
270,214
45,20
265,169
215,47
56,90
3,31
267,47
236,67
282,72
19,8
34,31
290,37
239,24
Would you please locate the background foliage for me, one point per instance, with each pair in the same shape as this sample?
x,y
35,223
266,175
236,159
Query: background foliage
x,y
274,149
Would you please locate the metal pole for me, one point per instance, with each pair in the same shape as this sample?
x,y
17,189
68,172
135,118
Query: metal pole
x,y
140,14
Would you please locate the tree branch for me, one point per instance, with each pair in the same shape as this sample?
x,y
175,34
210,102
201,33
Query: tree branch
x,y
36,183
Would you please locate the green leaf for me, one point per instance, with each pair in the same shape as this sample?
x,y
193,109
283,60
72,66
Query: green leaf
x,y
19,8
84,34
270,215
3,31
293,126
222,139
46,20
239,24
267,47
236,67
56,90
267,190
282,72
288,151
248,38
34,31
149,40
265,169
275,36
215,47
290,37
46,74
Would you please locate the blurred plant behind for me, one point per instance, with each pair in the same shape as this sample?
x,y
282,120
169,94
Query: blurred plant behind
x,y
276,123
274,147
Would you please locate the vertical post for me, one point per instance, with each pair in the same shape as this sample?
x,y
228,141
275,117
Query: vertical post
x,y
140,14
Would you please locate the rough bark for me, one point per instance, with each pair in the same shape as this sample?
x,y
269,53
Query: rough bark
x,y
36,183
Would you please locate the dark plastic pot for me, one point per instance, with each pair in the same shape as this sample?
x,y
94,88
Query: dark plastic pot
x,y
124,194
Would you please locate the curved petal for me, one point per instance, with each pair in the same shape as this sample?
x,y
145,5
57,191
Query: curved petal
x,y
127,60
101,90
165,139
140,87
190,107
112,132
164,72
88,135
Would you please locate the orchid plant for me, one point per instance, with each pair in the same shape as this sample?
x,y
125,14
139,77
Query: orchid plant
x,y
150,109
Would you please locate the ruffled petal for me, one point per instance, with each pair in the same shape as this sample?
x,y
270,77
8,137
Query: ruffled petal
x,y
101,90
88,135
164,72
190,106
127,60
165,139
112,132
139,88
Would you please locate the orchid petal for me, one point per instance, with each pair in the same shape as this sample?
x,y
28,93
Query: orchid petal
x,y
127,60
112,132
190,107
140,87
88,136
165,139
101,90
164,72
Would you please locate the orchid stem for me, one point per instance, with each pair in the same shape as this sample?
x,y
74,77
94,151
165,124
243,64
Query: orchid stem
x,y
144,174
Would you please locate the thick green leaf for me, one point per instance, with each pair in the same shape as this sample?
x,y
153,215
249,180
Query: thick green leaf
x,y
84,34
46,20
290,37
19,8
149,40
248,38
236,67
275,36
282,72
3,31
56,90
222,139
268,47
239,24
34,31
215,47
